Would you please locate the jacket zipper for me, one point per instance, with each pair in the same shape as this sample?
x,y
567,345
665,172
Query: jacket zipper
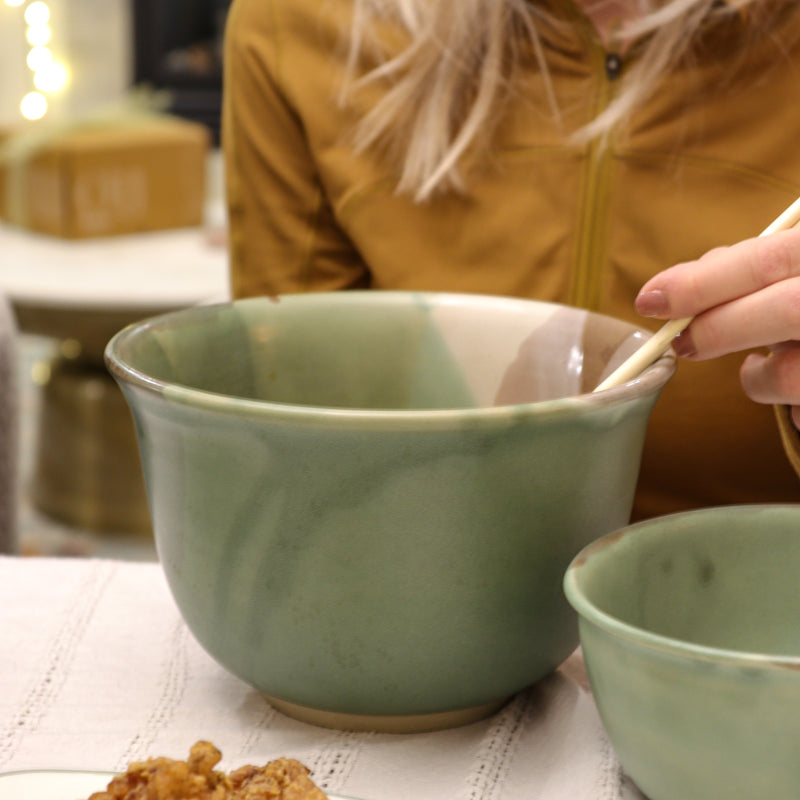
x,y
591,253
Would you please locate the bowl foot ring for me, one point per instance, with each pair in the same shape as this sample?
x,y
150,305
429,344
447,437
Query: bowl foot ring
x,y
387,723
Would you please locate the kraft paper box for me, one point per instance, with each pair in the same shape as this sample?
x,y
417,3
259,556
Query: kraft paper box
x,y
5,135
141,174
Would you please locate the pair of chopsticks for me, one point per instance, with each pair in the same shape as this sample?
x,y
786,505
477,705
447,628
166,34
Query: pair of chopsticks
x,y
660,341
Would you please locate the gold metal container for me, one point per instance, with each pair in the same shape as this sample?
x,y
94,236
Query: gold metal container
x,y
87,470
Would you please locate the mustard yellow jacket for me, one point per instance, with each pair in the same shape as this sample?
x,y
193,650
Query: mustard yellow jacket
x,y
709,159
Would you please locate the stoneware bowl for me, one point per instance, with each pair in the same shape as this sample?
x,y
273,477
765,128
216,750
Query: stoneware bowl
x,y
690,626
364,502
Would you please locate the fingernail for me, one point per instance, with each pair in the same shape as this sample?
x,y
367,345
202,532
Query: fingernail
x,y
652,303
683,345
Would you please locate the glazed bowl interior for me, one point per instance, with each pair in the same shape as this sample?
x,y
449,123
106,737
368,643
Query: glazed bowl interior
x,y
727,582
384,351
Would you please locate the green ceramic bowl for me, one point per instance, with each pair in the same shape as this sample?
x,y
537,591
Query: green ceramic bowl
x,y
690,626
364,502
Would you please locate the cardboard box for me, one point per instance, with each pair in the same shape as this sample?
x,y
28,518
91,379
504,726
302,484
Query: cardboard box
x,y
142,174
6,134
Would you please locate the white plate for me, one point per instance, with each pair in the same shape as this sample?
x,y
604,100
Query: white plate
x,y
51,784
62,785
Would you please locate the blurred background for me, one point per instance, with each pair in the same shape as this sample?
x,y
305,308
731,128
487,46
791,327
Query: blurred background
x,y
106,216
77,54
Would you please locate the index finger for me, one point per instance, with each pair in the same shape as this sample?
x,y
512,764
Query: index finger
x,y
721,275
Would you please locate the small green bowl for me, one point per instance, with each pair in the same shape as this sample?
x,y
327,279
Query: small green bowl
x,y
690,627
364,502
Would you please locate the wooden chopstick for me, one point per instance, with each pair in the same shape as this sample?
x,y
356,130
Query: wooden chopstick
x,y
660,341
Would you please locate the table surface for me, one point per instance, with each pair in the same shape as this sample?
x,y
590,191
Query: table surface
x,y
159,270
98,670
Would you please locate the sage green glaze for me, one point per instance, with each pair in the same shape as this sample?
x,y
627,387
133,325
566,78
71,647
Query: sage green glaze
x,y
690,626
346,518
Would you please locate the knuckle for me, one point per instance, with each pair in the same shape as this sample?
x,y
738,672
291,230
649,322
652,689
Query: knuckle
x,y
714,252
785,376
708,336
787,310
775,259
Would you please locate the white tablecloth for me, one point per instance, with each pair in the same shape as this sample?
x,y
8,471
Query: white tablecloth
x,y
97,670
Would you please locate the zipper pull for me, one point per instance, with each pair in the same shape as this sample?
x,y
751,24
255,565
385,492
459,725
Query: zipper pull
x,y
613,66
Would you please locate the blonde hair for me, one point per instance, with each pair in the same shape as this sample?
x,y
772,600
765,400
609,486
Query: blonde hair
x,y
447,84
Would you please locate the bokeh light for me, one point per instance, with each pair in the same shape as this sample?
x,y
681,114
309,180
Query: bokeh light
x,y
37,14
38,34
33,105
51,78
39,58
48,75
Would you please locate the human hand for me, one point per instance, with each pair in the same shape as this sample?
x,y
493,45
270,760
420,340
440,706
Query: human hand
x,y
741,297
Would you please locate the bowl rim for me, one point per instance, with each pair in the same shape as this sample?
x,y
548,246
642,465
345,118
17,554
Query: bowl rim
x,y
648,383
589,612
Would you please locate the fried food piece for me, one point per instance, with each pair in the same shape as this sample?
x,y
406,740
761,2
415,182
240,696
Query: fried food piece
x,y
196,779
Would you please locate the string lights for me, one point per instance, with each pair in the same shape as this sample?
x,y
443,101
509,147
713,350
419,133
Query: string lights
x,y
49,76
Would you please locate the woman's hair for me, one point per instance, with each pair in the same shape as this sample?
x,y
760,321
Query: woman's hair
x,y
447,83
